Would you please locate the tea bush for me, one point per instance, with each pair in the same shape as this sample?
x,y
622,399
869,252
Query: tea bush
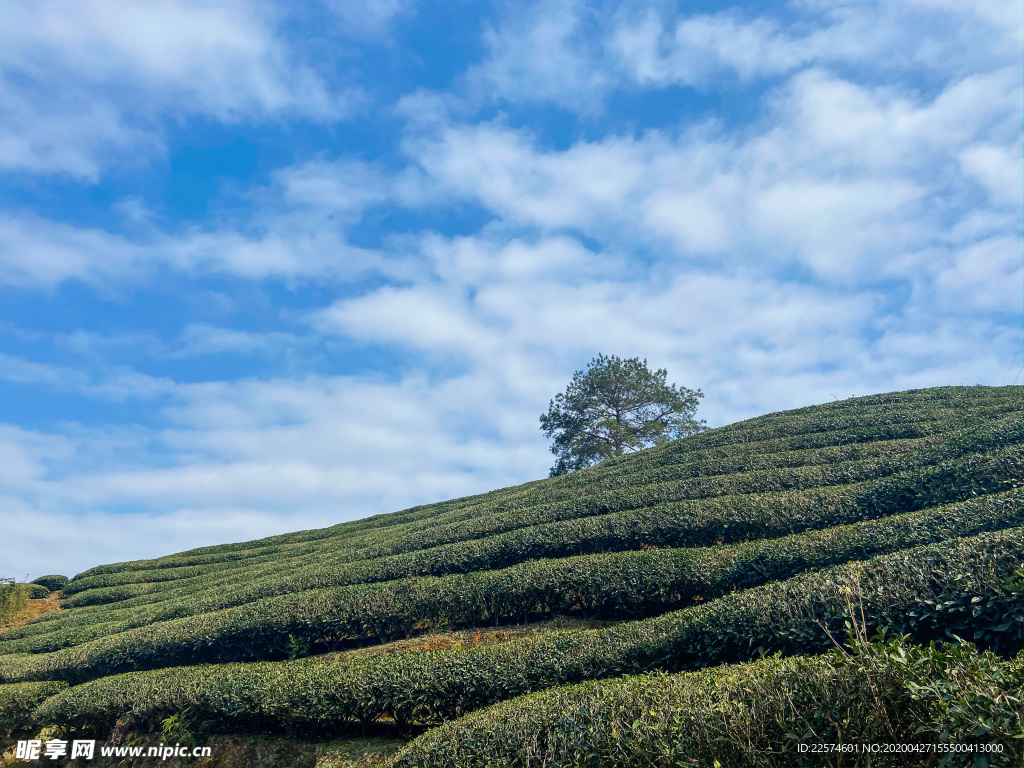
x,y
757,538
53,582
937,592
628,584
18,702
880,417
688,523
754,714
646,491
36,591
708,522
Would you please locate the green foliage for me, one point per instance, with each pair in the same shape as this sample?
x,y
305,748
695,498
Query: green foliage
x,y
914,413
617,406
297,647
13,599
19,701
620,585
931,593
53,582
753,714
690,522
957,693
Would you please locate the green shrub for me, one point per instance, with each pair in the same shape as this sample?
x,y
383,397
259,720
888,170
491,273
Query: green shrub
x,y
13,599
754,714
53,583
439,533
730,519
19,701
954,589
36,591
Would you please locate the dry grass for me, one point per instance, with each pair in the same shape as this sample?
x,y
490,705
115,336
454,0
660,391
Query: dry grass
x,y
356,753
471,638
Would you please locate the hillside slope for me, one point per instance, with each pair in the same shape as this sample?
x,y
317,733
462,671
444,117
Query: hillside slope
x,y
751,539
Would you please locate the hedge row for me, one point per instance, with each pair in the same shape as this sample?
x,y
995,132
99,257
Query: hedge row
x,y
954,589
688,525
53,583
19,701
754,714
620,585
1001,432
706,523
686,459
670,483
953,403
137,594
1006,431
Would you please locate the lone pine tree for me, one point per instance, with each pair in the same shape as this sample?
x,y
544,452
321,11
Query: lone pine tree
x,y
614,407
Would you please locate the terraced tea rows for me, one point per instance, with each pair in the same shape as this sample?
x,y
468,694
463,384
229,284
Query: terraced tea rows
x,y
755,538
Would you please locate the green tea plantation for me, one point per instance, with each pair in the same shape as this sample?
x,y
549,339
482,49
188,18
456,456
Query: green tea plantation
x,y
761,594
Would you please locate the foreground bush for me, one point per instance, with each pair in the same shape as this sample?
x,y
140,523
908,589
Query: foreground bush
x,y
755,714
955,589
19,701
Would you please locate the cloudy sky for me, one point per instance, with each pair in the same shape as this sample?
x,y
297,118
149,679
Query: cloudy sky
x,y
270,266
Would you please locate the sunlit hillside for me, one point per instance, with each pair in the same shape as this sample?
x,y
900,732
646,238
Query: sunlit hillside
x,y
694,602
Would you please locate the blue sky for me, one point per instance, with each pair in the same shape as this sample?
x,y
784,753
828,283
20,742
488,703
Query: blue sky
x,y
271,266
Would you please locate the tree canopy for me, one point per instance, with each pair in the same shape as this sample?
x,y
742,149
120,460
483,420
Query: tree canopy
x,y
614,407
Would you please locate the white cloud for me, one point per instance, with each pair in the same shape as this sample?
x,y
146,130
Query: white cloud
x,y
368,18
231,460
575,54
55,542
846,180
540,53
986,275
83,82
703,47
1000,169
37,252
857,236
299,233
117,383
